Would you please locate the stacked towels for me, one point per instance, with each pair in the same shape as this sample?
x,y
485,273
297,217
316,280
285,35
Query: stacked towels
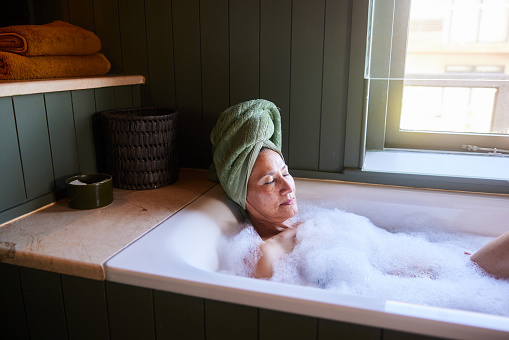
x,y
53,50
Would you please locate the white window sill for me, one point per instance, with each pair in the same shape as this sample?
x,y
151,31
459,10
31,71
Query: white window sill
x,y
439,164
23,87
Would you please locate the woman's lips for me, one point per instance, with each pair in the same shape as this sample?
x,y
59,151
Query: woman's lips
x,y
289,202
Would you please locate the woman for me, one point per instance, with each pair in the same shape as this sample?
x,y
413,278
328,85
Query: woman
x,y
271,203
246,146
250,166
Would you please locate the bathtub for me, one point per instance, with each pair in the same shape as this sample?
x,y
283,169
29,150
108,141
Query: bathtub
x,y
180,256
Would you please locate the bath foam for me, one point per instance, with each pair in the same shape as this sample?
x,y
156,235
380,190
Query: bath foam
x,y
239,250
346,253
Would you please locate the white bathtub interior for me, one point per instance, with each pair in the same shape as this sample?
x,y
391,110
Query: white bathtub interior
x,y
180,256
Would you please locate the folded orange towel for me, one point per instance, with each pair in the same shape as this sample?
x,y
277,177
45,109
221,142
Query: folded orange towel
x,y
13,66
56,38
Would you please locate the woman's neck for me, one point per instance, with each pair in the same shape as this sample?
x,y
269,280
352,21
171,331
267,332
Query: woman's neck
x,y
267,229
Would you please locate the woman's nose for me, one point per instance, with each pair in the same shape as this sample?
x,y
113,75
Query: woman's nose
x,y
286,186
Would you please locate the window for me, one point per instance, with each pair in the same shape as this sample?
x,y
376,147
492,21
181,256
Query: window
x,y
438,74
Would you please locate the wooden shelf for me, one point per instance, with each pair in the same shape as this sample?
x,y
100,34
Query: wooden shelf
x,y
23,87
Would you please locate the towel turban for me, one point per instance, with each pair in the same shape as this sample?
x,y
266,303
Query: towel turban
x,y
240,133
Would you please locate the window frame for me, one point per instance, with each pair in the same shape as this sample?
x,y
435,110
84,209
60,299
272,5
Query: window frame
x,y
384,72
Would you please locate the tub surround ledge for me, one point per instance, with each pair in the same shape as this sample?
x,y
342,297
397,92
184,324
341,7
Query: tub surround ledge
x,y
78,242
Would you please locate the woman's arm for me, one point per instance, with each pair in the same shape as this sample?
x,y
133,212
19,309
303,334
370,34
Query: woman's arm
x,y
494,256
273,250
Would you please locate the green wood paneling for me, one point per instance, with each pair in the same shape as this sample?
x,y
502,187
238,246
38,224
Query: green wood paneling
x,y
160,52
84,109
275,325
14,13
230,321
130,312
244,50
82,13
215,66
178,316
62,136
203,56
107,310
335,84
306,84
136,93
104,99
186,31
38,15
85,308
332,330
44,305
354,140
56,10
56,140
12,313
11,182
275,52
34,144
107,28
25,207
134,42
123,97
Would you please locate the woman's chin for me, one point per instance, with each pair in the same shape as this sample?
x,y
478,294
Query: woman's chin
x,y
290,210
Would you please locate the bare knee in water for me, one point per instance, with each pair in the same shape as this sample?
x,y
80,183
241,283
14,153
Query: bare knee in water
x,y
494,256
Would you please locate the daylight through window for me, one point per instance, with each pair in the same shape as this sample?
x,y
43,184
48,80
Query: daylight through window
x,y
462,44
438,74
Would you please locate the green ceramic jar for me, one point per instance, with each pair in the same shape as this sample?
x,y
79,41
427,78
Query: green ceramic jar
x,y
89,191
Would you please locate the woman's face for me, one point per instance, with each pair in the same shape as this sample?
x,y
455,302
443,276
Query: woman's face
x,y
271,189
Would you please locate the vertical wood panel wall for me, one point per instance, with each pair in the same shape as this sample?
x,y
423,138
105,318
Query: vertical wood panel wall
x,y
46,138
201,56
45,305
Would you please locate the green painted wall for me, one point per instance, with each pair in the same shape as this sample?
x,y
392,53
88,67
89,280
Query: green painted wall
x,y
46,138
45,305
198,56
202,56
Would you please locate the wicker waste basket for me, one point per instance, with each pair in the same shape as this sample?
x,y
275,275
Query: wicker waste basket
x,y
140,146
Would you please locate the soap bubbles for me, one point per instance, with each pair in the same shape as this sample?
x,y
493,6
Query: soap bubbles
x,y
346,253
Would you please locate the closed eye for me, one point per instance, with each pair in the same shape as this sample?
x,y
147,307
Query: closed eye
x,y
285,170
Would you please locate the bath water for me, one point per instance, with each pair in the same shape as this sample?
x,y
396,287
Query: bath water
x,y
344,252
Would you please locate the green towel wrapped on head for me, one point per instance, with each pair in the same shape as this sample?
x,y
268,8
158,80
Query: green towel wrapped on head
x,y
240,133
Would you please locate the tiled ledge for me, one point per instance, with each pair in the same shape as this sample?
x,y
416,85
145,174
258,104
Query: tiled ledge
x,y
78,242
22,87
